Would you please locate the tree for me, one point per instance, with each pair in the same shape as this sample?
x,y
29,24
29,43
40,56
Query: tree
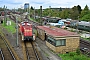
x,y
79,9
60,9
47,12
32,8
1,9
20,10
74,12
65,13
86,17
85,14
85,11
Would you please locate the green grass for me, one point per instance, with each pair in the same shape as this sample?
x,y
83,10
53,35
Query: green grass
x,y
32,19
10,28
88,39
73,56
35,31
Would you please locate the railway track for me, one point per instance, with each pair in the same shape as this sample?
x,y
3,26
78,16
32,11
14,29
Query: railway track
x,y
34,23
31,51
1,55
5,51
84,42
85,47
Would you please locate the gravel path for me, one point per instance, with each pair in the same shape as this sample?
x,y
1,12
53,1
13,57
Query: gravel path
x,y
46,53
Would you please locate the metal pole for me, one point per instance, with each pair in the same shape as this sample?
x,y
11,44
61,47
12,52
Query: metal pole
x,y
29,12
41,15
4,16
17,31
28,8
77,26
34,12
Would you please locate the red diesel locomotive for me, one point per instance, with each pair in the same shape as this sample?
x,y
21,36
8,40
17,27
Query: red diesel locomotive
x,y
26,31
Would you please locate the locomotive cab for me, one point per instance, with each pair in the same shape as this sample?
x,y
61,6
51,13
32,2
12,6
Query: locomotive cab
x,y
27,31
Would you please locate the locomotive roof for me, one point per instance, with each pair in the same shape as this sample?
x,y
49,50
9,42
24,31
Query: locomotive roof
x,y
57,32
25,21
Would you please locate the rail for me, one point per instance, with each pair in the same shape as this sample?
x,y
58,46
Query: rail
x,y
33,55
85,47
2,56
87,43
8,47
28,57
35,52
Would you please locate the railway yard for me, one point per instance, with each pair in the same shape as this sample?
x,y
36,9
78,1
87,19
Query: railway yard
x,y
26,50
6,51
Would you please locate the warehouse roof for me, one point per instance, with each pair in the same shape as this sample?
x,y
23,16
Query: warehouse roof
x,y
56,32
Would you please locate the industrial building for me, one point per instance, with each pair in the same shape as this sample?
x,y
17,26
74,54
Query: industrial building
x,y
26,7
59,40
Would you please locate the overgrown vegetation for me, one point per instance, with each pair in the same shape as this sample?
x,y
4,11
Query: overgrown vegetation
x,y
10,28
74,56
35,31
86,38
75,13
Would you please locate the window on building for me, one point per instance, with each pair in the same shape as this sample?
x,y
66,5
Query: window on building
x,y
61,42
51,40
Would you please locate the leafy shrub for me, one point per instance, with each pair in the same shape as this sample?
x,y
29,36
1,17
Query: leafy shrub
x,y
78,58
78,52
72,53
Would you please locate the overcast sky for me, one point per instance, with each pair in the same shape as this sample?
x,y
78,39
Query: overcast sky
x,y
44,3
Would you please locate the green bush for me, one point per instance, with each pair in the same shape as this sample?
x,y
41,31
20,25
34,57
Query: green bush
x,y
77,58
35,31
72,53
10,28
78,52
73,56
81,57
